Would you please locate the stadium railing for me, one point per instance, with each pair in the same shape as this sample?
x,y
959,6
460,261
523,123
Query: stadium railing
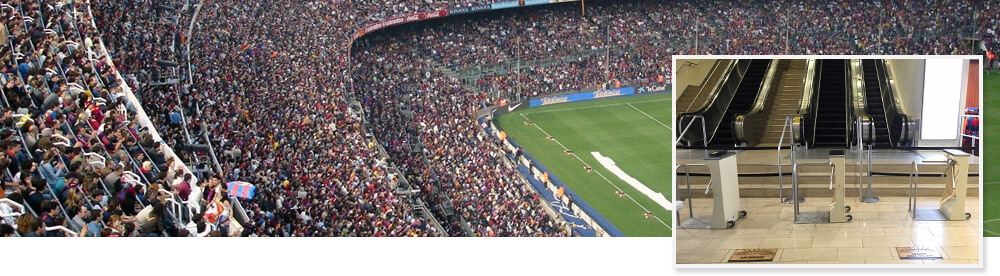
x,y
142,118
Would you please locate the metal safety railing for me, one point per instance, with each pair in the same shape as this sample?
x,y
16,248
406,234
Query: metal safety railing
x,y
20,208
704,132
865,194
63,229
687,180
786,128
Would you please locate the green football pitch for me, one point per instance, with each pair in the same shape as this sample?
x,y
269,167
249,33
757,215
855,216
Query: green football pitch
x,y
991,181
632,131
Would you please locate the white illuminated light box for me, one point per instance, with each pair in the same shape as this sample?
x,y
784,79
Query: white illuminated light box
x,y
942,93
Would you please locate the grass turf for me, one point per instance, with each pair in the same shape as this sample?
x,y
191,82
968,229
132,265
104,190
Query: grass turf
x,y
991,181
633,131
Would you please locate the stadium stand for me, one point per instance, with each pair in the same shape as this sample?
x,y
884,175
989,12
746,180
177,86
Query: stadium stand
x,y
341,138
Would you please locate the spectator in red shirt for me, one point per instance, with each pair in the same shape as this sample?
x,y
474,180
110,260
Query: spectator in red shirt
x,y
183,187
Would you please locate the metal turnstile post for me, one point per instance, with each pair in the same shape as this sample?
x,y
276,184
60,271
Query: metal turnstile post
x,y
838,210
725,198
952,203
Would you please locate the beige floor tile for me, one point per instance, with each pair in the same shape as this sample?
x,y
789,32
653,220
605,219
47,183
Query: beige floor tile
x,y
974,223
894,215
852,224
755,224
880,223
907,231
726,233
970,240
938,241
974,261
819,242
803,232
701,256
918,223
961,252
765,216
767,233
887,241
894,262
734,243
870,238
808,254
954,231
692,244
883,253
886,208
786,243
850,232
863,216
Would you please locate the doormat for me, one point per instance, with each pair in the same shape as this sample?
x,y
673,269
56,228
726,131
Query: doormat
x,y
754,255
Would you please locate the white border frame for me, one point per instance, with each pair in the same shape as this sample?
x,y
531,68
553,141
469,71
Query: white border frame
x,y
673,143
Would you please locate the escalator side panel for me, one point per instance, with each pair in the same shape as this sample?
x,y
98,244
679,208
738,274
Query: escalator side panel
x,y
742,101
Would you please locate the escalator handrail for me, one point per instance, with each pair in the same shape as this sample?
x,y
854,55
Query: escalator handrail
x,y
809,87
888,110
715,67
861,95
857,85
809,105
902,131
849,108
737,67
749,127
728,86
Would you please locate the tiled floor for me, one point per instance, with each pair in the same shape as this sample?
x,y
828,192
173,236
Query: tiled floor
x,y
871,238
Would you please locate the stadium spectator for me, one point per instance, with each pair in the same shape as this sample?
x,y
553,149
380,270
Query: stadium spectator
x,y
270,85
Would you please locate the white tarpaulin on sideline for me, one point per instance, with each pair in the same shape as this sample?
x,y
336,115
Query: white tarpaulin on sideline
x,y
610,165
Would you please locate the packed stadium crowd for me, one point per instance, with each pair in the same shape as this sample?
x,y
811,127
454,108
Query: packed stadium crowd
x,y
271,85
77,162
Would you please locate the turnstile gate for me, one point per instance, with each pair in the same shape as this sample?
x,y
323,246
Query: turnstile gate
x,y
952,203
837,209
726,194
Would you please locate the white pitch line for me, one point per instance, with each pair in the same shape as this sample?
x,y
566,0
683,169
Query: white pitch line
x,y
593,106
991,220
598,173
991,232
651,117
990,183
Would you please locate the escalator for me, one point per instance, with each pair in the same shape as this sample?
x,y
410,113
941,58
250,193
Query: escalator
x,y
874,103
695,97
784,102
832,116
742,101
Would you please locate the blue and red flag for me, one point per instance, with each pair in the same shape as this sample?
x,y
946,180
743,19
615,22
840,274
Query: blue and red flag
x,y
241,189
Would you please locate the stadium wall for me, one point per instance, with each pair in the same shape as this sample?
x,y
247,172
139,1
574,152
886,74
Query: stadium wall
x,y
534,171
